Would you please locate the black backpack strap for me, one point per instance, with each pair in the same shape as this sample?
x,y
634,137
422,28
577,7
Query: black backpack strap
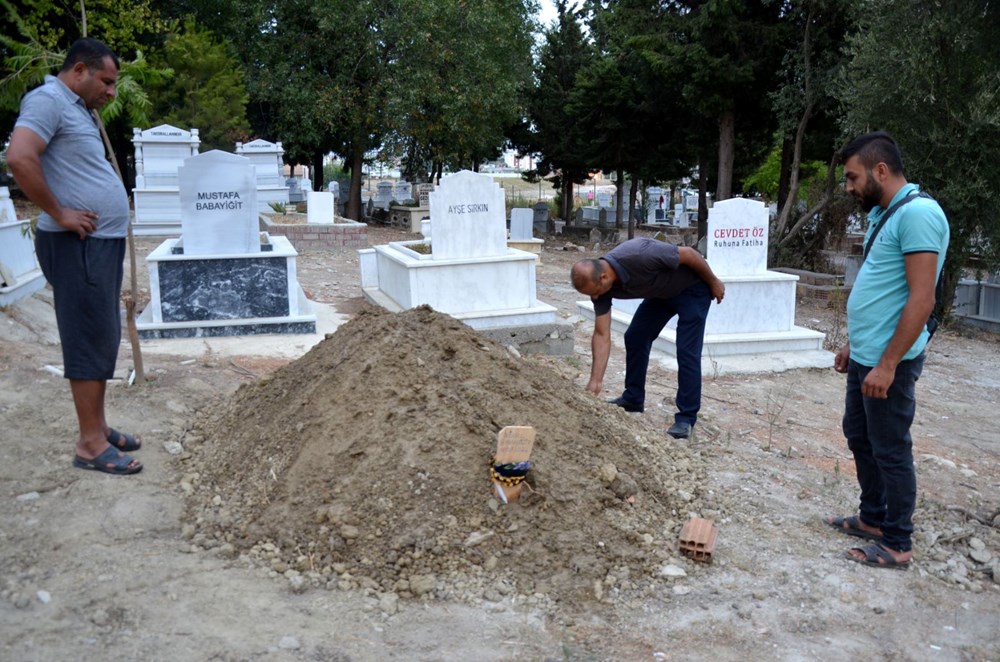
x,y
885,219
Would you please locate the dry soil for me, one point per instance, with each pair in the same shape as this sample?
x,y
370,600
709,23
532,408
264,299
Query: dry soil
x,y
332,502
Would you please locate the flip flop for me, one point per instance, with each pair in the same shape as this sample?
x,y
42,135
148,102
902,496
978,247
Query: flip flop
x,y
876,556
111,461
851,526
124,442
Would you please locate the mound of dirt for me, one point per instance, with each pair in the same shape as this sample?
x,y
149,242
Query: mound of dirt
x,y
364,465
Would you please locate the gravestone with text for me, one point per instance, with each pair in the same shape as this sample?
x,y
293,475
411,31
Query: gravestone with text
x,y
754,327
266,158
737,237
469,272
223,276
159,152
423,194
218,193
467,214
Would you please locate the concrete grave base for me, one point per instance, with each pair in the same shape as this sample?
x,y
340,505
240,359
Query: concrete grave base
x,y
230,294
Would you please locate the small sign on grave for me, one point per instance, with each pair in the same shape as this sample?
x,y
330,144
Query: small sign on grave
x,y
737,237
218,192
423,194
468,216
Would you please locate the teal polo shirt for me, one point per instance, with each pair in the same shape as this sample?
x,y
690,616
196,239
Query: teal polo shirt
x,y
880,291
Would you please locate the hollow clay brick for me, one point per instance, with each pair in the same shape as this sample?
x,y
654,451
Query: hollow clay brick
x,y
697,539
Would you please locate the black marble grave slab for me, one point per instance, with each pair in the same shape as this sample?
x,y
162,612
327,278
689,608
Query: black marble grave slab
x,y
224,289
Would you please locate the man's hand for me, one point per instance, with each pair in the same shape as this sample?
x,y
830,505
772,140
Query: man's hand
x,y
877,382
718,290
841,359
595,386
78,221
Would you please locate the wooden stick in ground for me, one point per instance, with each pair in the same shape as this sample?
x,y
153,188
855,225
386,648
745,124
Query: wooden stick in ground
x,y
514,444
133,331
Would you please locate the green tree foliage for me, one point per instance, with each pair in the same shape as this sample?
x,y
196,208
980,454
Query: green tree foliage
x,y
206,90
37,34
465,68
929,74
554,131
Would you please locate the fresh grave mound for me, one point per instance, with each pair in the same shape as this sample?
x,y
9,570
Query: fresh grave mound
x,y
364,464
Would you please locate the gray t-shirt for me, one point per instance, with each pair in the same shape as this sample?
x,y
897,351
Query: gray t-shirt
x,y
73,162
646,269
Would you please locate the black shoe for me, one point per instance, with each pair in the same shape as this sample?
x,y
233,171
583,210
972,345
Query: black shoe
x,y
626,405
680,430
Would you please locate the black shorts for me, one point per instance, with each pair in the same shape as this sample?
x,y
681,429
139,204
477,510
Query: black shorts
x,y
86,279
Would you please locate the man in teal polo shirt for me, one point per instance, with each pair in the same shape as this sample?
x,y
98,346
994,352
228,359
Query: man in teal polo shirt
x,y
887,314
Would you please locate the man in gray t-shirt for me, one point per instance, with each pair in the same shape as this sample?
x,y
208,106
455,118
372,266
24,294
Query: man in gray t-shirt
x,y
57,156
671,280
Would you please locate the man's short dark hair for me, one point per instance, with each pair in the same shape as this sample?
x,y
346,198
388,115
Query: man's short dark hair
x,y
874,148
91,52
586,272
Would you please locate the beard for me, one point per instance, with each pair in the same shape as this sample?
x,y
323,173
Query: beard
x,y
871,195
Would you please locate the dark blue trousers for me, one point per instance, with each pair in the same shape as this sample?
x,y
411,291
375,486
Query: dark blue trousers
x,y
691,308
878,433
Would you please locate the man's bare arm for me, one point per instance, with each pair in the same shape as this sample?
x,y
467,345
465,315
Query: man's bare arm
x,y
24,157
600,347
921,277
693,260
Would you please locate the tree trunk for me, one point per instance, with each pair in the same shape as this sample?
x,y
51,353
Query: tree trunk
x,y
787,150
619,189
567,201
702,197
633,191
831,180
793,187
727,154
353,211
317,174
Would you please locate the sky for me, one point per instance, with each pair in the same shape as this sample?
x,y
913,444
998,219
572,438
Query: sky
x,y
547,12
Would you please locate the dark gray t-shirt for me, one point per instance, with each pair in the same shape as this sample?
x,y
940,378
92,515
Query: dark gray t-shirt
x,y
74,162
646,269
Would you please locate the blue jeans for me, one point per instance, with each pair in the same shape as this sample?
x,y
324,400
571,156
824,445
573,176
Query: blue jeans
x,y
878,433
691,307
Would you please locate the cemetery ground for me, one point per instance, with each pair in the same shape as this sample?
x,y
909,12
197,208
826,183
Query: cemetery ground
x,y
206,554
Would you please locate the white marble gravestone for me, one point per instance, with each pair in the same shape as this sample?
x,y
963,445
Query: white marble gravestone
x,y
384,192
20,274
737,237
522,231
753,329
656,205
222,276
521,223
402,191
159,152
465,216
267,162
219,205
470,272
7,212
319,207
